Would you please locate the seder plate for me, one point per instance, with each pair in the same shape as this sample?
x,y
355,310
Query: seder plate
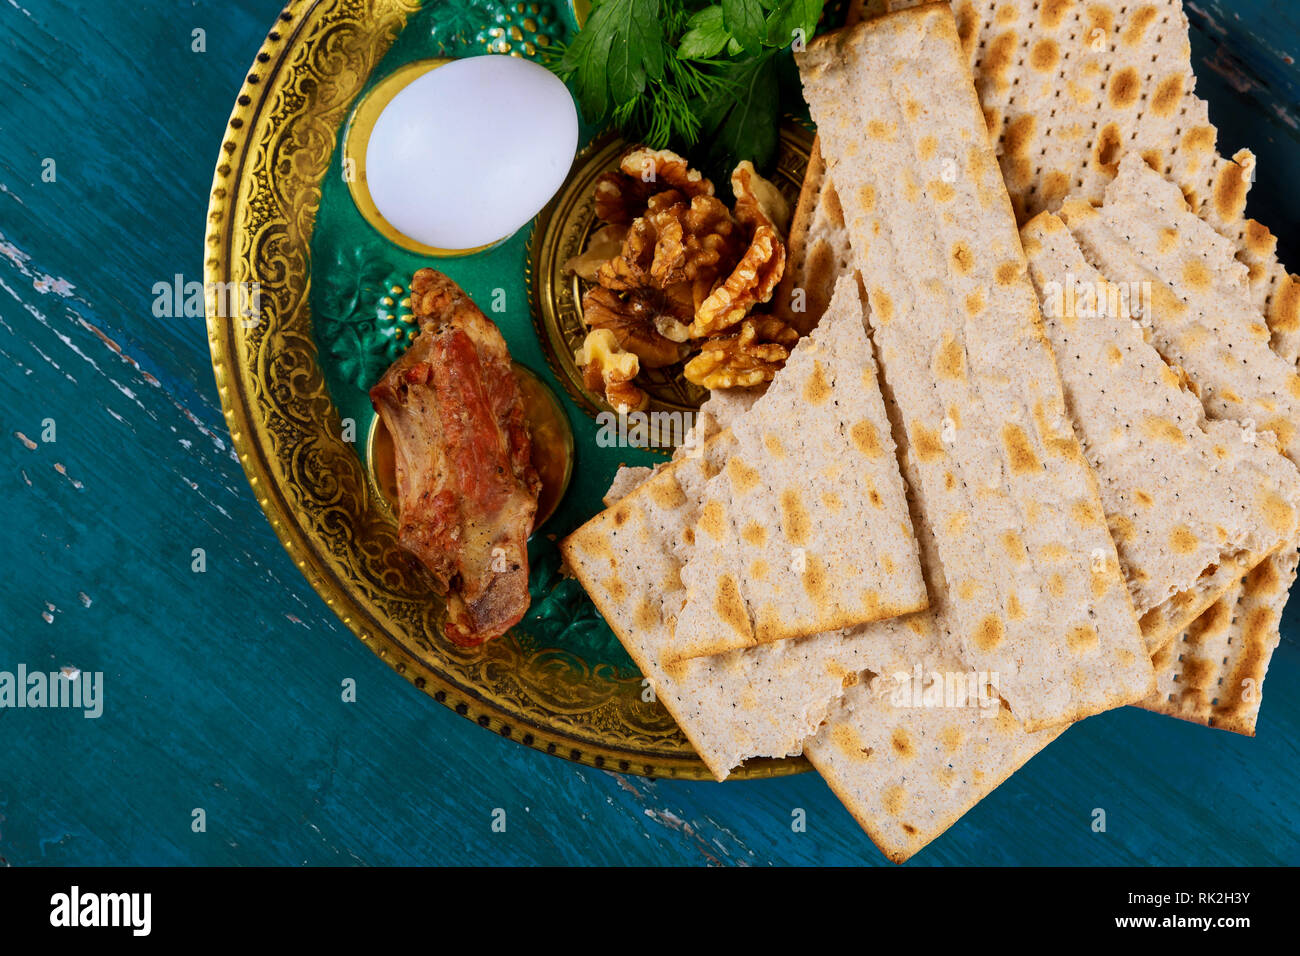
x,y
287,213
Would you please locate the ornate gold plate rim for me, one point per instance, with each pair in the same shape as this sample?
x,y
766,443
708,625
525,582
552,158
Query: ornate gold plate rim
x,y
248,378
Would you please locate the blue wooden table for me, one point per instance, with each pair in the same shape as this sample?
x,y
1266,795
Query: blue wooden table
x,y
222,687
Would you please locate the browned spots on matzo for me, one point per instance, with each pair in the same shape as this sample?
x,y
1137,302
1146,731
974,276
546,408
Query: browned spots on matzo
x,y
1196,275
1230,192
879,129
1264,578
1279,514
647,615
901,742
817,390
846,740
814,578
1019,136
1124,88
989,633
1212,620
1100,17
893,800
713,520
951,738
1020,452
867,198
1168,95
1164,429
940,191
1182,540
1015,610
961,258
1138,22
599,547
731,606
1109,147
795,521
1045,55
882,306
1054,11
925,442
1086,512
773,445
1000,57
667,493
616,589
743,477
1102,578
1284,316
950,362
754,534
866,439
1082,638
1014,546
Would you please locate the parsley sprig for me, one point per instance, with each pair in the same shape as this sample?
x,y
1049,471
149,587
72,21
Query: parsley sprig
x,y
684,72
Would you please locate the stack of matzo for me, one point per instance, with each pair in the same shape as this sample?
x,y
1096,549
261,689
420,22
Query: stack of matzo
x,y
761,701
963,375
1196,682
1192,504
1201,318
805,529
1068,88
955,318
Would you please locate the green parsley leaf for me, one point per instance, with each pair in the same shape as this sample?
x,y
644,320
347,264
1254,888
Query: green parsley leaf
x,y
705,35
791,15
741,122
618,51
744,21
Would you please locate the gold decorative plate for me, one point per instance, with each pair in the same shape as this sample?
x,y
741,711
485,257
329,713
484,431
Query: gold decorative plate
x,y
298,417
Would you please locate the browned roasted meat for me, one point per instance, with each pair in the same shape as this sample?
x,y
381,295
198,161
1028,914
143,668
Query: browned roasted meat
x,y
467,489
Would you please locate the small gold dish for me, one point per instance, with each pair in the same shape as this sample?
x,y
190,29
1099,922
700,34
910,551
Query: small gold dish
x,y
562,231
552,449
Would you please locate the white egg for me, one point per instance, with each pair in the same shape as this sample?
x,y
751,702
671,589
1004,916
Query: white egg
x,y
471,151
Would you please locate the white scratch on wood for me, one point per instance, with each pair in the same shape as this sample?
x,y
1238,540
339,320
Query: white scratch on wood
x,y
58,466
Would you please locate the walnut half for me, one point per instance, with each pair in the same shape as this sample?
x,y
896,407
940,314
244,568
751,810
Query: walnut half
x,y
751,283
751,356
611,372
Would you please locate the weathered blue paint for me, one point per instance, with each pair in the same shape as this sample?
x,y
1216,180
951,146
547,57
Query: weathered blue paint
x,y
223,688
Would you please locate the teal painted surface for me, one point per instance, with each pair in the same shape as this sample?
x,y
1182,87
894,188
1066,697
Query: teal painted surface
x,y
223,688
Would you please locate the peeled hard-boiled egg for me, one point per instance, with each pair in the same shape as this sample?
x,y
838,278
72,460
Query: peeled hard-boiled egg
x,y
468,153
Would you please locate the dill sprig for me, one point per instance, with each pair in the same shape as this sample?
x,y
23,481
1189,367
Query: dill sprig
x,y
679,72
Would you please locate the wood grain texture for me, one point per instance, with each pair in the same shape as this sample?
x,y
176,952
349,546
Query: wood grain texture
x,y
223,688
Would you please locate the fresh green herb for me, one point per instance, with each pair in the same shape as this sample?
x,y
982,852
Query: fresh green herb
x,y
683,72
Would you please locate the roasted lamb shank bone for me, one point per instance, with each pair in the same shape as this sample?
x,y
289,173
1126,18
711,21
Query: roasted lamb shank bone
x,y
467,489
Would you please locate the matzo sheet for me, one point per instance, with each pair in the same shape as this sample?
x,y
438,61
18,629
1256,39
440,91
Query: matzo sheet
x,y
956,324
